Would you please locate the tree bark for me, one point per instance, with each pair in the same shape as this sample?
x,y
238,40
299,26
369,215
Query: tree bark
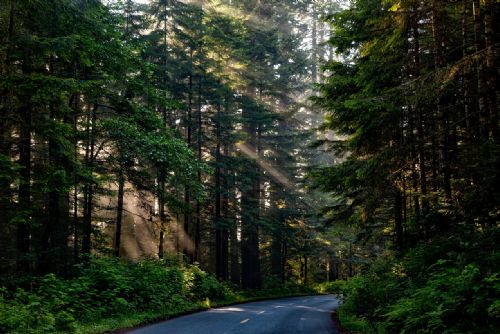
x,y
162,216
221,235
187,197
442,112
250,207
89,188
197,234
119,211
7,233
481,84
314,45
398,219
491,70
24,192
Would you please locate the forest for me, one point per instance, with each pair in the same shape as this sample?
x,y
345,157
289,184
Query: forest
x,y
159,157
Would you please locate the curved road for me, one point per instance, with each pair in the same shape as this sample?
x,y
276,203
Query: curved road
x,y
297,315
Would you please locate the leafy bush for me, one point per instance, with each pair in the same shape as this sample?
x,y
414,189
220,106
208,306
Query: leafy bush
x,y
201,285
451,301
336,287
445,286
107,287
24,313
366,296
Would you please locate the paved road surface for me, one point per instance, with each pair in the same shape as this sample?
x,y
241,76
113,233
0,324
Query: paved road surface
x,y
298,315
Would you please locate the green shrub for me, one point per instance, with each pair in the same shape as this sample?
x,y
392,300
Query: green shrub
x,y
201,285
452,301
108,287
445,286
352,323
154,284
335,287
25,313
367,296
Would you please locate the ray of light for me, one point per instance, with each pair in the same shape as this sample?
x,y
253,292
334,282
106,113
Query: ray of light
x,y
185,242
276,174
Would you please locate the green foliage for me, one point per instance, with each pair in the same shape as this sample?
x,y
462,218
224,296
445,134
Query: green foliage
x,y
453,300
335,287
353,323
25,313
424,294
106,288
113,293
200,285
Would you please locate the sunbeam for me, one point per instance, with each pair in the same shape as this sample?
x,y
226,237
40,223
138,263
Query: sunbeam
x,y
275,174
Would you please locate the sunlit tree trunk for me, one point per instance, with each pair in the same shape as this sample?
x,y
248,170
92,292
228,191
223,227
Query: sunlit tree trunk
x,y
314,45
24,194
420,126
187,197
221,236
119,211
250,207
24,190
89,187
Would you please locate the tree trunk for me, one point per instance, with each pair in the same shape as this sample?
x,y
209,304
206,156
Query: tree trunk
x,y
197,234
119,211
442,112
221,235
24,194
398,219
491,69
234,254
162,216
276,253
420,126
76,225
314,46
250,205
89,188
187,199
7,236
481,85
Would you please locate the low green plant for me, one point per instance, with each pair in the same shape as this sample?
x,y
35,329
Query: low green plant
x,y
107,288
334,287
445,286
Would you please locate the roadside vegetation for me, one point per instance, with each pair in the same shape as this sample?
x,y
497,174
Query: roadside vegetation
x,y
267,144
413,95
446,286
113,293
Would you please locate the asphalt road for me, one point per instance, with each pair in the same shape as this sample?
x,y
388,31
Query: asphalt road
x,y
298,315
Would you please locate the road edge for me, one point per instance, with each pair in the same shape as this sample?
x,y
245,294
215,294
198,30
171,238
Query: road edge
x,y
213,305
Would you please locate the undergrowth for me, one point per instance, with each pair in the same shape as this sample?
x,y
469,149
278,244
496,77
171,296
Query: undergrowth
x,y
111,293
450,285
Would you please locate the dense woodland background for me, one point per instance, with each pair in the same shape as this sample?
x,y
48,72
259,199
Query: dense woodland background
x,y
274,144
186,109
